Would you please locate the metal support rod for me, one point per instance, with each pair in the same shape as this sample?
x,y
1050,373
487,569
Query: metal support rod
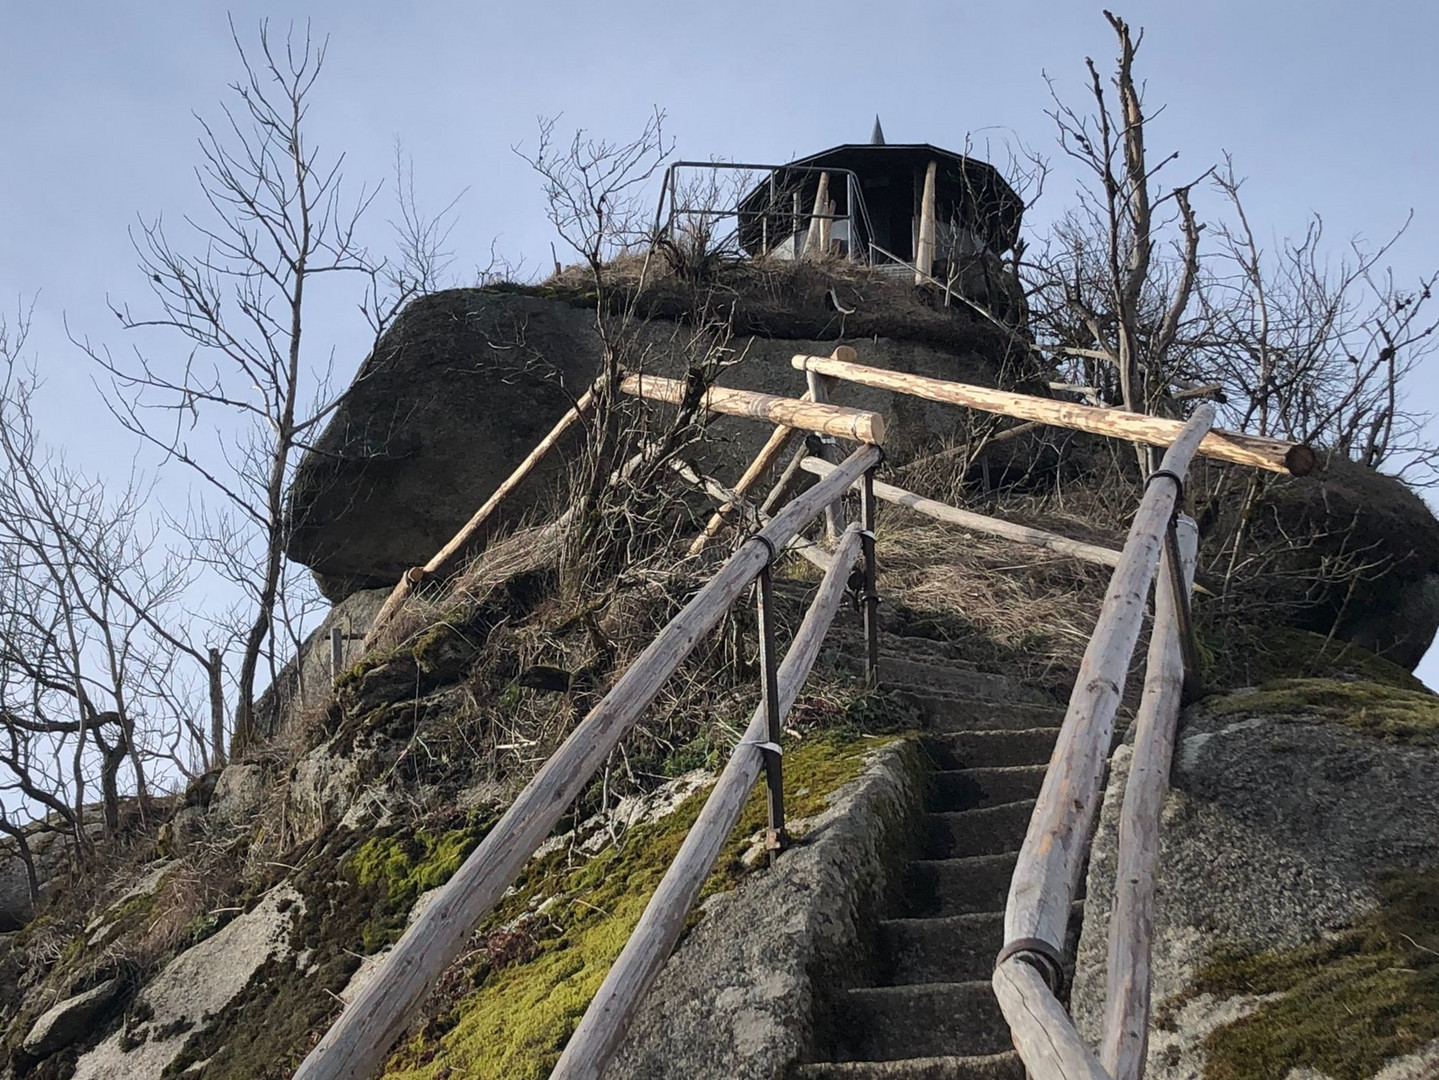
x,y
776,839
871,597
1184,615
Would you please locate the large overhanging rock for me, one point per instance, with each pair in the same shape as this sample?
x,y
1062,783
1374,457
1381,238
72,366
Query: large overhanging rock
x,y
469,380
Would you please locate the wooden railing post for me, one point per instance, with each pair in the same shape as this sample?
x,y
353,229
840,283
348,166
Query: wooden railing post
x,y
608,1017
1233,446
776,840
1052,857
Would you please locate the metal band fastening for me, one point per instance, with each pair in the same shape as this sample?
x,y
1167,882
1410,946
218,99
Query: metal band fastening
x,y
1172,475
769,545
1040,955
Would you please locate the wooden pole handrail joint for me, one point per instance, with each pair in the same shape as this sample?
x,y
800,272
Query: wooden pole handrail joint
x,y
358,1041
854,425
750,514
607,1020
1232,446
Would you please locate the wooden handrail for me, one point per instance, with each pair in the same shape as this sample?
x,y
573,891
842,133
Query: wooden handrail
x,y
1022,534
611,1011
855,425
358,1041
1272,454
780,439
1131,920
1046,874
443,560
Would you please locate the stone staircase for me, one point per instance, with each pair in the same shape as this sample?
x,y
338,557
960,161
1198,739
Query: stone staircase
x,y
930,1013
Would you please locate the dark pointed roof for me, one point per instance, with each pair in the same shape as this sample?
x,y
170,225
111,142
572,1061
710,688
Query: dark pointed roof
x,y
960,178
876,137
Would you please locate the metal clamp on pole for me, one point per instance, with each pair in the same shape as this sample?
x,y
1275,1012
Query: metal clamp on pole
x,y
1043,957
1184,613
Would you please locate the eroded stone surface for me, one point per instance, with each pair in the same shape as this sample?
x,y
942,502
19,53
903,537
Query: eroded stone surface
x,y
1273,836
190,990
739,998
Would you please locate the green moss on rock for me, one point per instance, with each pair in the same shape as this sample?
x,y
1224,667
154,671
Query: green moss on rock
x,y
1241,654
357,894
515,1007
1342,1006
1372,708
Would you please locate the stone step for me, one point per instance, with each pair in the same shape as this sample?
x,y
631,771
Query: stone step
x,y
944,887
890,1023
969,789
976,749
991,830
1006,1066
898,674
946,711
951,949
851,642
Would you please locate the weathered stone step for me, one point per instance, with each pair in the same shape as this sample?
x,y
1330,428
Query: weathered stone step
x,y
975,749
969,789
1006,1066
950,949
890,1023
991,830
851,642
945,711
943,887
897,673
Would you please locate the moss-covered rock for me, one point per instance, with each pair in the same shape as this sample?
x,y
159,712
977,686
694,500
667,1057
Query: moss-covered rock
x,y
1371,708
547,948
1345,1005
1298,876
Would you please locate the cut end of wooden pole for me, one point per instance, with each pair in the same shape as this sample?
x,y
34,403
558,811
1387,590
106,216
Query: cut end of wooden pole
x,y
873,430
1301,460
844,353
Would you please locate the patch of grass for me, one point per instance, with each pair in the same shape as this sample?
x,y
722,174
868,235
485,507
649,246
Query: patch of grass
x,y
1346,1005
1377,709
526,989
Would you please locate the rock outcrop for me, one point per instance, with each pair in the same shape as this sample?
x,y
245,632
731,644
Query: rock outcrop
x,y
1298,883
468,381
1353,551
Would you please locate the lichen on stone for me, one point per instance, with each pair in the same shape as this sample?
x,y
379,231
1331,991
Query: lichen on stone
x,y
1371,708
1343,1006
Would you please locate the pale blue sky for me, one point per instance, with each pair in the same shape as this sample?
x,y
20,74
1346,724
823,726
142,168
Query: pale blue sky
x,y
1326,107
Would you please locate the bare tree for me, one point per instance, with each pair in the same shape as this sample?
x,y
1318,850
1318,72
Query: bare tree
x,y
91,662
253,390
1102,298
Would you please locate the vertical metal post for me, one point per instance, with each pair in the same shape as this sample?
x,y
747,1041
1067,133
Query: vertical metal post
x,y
337,652
1193,675
871,597
776,840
